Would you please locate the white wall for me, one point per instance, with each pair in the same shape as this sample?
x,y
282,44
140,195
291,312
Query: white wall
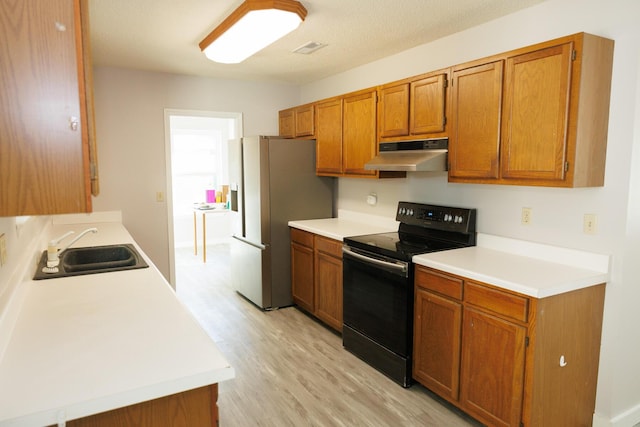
x,y
557,213
130,108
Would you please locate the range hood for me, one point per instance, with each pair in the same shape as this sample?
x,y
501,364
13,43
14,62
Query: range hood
x,y
411,156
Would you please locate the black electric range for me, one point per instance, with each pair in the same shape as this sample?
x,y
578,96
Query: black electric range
x,y
378,282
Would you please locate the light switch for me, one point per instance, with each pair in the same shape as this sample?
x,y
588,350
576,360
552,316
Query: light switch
x,y
159,196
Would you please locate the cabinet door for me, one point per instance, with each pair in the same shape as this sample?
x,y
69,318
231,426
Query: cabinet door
x,y
475,122
329,137
359,133
394,110
304,120
302,276
427,105
286,122
44,162
535,114
436,343
492,371
328,287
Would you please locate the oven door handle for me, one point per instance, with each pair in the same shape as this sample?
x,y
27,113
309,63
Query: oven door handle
x,y
401,267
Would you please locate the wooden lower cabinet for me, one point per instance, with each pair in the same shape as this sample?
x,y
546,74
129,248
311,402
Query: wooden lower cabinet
x,y
302,269
492,371
437,342
328,281
192,408
316,276
505,358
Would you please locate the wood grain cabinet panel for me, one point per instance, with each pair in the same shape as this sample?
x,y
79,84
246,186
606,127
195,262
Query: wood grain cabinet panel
x,y
427,107
197,407
436,342
297,122
536,113
492,370
393,117
505,358
316,269
328,281
45,109
542,122
302,268
474,140
413,108
329,137
286,123
359,133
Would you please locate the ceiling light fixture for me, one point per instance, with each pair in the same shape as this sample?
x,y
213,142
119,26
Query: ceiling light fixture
x,y
254,25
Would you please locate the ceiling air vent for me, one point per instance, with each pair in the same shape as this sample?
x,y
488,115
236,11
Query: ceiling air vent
x,y
309,47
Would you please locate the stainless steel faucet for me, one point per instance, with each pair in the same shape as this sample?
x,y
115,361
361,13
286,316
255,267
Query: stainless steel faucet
x,y
53,254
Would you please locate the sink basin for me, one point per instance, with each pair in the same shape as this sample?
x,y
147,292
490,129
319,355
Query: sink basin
x,y
93,260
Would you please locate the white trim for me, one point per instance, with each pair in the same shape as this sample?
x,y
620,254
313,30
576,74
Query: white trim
x,y
168,113
629,418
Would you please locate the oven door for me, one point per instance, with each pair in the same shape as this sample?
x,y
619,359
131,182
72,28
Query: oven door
x,y
378,299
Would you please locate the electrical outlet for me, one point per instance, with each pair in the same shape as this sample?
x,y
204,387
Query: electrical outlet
x,y
589,223
3,249
526,216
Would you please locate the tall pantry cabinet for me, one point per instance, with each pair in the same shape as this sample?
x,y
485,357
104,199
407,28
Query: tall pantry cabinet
x,y
47,152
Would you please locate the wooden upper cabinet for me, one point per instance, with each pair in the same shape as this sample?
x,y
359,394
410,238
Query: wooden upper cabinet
x,y
286,123
474,137
359,132
394,110
305,121
554,113
346,134
329,137
427,106
44,136
535,114
413,107
297,122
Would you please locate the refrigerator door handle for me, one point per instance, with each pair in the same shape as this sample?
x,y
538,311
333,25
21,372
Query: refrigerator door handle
x,y
249,242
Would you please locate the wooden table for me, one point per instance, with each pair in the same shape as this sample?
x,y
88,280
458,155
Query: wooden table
x,y
204,213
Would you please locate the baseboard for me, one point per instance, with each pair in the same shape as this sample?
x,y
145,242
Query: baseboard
x,y
629,418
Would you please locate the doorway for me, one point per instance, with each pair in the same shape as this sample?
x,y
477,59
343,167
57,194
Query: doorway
x,y
196,146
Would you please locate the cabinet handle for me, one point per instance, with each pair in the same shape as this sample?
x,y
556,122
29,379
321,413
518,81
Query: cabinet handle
x,y
563,363
73,123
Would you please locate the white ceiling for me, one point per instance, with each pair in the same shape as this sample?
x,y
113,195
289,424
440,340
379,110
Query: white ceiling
x,y
163,35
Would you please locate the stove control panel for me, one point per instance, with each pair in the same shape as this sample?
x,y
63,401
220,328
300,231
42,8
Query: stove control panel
x,y
461,220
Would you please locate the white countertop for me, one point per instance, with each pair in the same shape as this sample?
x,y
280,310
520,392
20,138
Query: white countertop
x,y
529,268
347,224
87,344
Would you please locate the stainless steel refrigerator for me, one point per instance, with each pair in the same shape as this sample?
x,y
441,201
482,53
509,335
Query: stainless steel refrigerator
x,y
272,181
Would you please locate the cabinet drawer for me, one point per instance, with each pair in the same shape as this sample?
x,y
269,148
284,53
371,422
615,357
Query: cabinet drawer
x,y
438,282
302,237
505,304
329,246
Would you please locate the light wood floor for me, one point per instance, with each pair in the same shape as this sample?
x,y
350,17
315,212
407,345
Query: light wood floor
x,y
290,369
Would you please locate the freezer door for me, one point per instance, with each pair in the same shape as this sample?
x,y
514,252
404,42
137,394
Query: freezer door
x,y
247,271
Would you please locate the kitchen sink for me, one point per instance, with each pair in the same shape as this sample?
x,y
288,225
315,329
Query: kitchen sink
x,y
92,260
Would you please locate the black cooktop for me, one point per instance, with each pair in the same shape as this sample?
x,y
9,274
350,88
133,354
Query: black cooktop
x,y
423,229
